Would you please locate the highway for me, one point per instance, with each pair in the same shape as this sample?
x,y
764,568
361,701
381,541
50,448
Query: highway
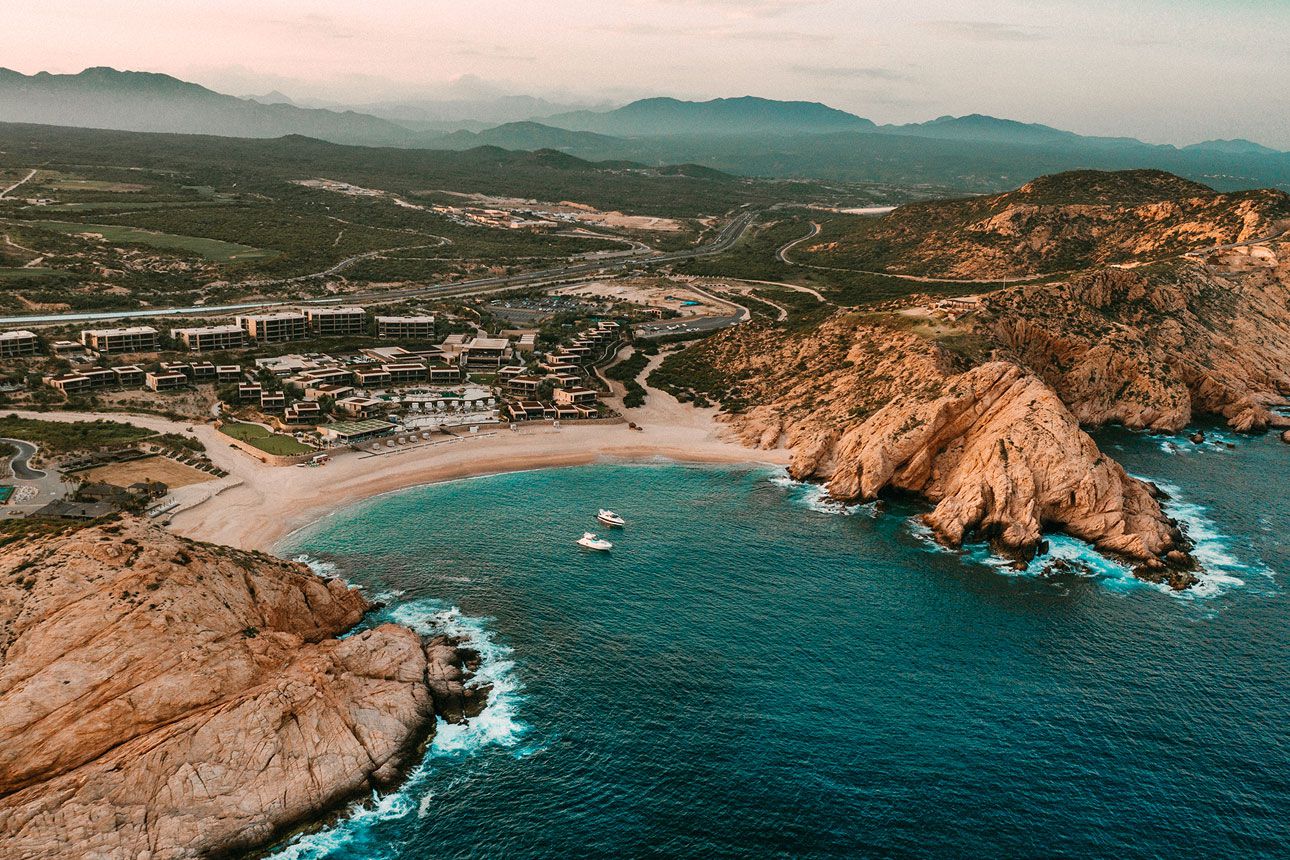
x,y
729,235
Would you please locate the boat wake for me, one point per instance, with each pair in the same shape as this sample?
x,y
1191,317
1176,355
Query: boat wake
x,y
361,832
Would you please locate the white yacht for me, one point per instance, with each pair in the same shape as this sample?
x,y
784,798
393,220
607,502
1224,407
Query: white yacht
x,y
610,518
590,541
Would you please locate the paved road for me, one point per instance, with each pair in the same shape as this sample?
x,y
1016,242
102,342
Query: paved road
x,y
728,236
782,253
17,185
21,462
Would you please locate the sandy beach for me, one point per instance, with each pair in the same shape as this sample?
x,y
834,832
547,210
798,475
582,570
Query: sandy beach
x,y
257,505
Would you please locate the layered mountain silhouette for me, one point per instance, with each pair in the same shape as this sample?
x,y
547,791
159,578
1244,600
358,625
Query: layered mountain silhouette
x,y
747,135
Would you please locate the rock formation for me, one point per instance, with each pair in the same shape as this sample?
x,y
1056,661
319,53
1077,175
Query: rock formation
x,y
166,699
1150,348
1002,459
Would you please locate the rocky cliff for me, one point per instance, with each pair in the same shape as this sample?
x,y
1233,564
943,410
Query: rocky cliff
x,y
166,699
867,408
1151,347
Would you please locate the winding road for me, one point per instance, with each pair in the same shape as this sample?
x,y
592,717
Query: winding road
x,y
20,465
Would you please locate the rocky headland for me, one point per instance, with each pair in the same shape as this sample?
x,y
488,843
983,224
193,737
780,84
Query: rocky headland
x,y
162,698
984,417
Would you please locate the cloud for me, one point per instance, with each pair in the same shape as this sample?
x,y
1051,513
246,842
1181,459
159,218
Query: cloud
x,y
985,31
748,8
867,73
708,34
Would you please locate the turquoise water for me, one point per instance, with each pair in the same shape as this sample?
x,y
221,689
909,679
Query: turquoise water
x,y
750,673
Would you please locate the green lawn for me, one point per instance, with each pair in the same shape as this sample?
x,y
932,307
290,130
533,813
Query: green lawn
x,y
214,250
22,272
264,439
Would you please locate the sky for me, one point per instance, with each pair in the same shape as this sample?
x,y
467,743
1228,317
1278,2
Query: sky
x,y
1168,71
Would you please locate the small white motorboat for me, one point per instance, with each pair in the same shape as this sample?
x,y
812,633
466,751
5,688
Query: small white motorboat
x,y
590,541
610,518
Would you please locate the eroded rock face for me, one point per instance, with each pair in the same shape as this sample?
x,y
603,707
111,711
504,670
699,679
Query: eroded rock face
x,y
1151,349
166,699
1002,458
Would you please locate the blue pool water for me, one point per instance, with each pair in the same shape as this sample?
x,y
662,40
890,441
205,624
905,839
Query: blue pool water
x,y
752,673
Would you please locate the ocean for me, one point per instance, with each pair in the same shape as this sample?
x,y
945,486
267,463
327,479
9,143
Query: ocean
x,y
755,673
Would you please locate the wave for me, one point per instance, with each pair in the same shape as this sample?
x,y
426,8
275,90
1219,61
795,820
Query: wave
x,y
817,498
1219,568
359,832
1215,441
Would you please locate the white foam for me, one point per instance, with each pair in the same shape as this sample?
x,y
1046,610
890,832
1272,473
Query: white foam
x,y
1219,569
325,569
498,725
817,498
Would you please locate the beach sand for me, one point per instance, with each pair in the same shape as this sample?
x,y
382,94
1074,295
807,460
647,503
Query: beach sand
x,y
257,505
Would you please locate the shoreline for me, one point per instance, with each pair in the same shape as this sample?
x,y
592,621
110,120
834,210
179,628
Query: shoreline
x,y
256,506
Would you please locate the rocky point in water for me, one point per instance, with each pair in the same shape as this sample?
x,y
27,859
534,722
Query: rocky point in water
x,y
982,416
168,699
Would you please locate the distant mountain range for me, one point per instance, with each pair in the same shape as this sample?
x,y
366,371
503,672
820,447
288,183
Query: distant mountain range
x,y
748,135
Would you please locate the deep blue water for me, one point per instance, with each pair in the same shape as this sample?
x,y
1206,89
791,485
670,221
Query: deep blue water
x,y
750,674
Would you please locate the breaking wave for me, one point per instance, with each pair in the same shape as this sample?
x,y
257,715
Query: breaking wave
x,y
359,831
816,497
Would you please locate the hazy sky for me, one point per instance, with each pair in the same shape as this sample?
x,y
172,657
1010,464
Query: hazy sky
x,y
1173,71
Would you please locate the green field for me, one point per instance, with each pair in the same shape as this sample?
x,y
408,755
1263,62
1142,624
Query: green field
x,y
214,250
264,439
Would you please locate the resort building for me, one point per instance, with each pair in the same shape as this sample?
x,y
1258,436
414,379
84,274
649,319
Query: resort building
x,y
524,385
204,372
486,352
273,401
100,377
387,353
303,412
14,344
445,373
361,407
371,378
337,322
210,338
177,367
319,390
525,410
274,327
526,342
574,396
409,328
567,380
250,392
70,383
165,380
228,373
129,376
402,374
141,338
352,432
65,348
511,371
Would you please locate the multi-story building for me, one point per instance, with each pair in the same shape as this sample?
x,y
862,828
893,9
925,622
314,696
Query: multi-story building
x,y
129,376
273,401
100,377
443,373
139,338
14,344
228,373
409,328
486,352
371,378
70,383
165,380
574,396
211,338
275,327
402,374
337,322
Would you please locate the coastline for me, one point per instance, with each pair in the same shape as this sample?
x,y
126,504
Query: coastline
x,y
257,505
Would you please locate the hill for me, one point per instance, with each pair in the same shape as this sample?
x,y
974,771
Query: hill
x,y
532,136
1055,223
144,101
662,117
